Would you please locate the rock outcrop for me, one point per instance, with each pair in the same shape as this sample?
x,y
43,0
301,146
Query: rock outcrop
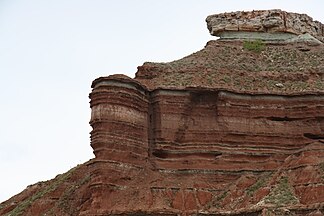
x,y
229,130
271,24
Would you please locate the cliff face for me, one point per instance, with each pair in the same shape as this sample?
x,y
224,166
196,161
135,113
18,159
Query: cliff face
x,y
234,129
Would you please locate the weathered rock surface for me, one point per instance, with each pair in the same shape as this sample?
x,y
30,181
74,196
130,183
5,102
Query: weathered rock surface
x,y
224,131
265,21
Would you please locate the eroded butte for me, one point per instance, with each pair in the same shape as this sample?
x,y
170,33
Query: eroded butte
x,y
236,128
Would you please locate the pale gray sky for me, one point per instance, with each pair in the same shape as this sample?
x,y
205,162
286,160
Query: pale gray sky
x,y
51,50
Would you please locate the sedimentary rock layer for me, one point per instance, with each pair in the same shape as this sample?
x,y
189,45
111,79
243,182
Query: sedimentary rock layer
x,y
282,69
265,21
200,149
226,131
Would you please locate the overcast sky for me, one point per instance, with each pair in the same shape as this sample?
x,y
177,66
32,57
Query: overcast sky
x,y
51,50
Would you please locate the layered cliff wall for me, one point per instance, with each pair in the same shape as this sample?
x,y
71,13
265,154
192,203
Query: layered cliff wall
x,y
204,148
228,131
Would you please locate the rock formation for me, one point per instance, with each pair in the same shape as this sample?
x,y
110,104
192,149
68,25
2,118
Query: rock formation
x,y
269,24
234,129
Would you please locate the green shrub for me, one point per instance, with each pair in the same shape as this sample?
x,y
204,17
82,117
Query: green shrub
x,y
257,185
255,46
217,201
321,166
282,194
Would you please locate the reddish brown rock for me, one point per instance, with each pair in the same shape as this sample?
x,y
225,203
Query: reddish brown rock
x,y
204,197
224,131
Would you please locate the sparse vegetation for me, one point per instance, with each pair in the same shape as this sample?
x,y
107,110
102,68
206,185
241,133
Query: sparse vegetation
x,y
2,206
319,84
64,202
282,194
229,66
53,184
255,46
219,199
321,168
262,181
222,196
226,79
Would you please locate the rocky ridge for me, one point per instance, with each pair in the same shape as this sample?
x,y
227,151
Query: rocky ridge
x,y
234,129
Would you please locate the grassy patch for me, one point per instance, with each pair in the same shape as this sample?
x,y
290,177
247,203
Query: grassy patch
x,y
255,46
219,199
319,84
226,79
2,206
262,181
222,196
65,198
321,166
282,194
216,201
